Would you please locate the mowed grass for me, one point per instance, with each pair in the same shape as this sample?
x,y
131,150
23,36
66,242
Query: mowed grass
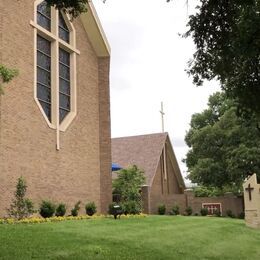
x,y
154,237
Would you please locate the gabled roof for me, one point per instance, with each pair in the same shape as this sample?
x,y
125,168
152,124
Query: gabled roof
x,y
143,151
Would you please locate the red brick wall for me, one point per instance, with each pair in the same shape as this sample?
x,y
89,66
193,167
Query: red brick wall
x,y
228,202
146,199
165,191
169,193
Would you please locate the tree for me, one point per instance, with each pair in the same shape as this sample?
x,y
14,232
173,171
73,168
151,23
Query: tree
x,y
224,148
21,207
127,187
226,34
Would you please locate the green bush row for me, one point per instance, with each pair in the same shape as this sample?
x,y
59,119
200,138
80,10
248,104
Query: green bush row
x,y
203,212
48,209
174,211
22,207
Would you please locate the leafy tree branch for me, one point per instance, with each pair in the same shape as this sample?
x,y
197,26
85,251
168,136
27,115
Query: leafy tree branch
x,y
6,75
73,7
227,39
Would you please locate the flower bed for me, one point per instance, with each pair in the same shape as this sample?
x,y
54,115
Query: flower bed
x,y
36,220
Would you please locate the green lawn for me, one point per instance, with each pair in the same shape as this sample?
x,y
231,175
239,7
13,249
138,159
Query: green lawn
x,y
154,237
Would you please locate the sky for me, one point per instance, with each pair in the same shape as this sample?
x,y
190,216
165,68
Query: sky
x,y
148,62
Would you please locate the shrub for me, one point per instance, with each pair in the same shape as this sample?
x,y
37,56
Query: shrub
x,y
175,210
204,212
20,207
188,211
229,213
161,209
47,209
241,215
60,210
91,208
75,210
217,213
131,207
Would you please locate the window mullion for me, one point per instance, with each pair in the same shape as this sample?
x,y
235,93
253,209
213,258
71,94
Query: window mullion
x,y
55,31
55,69
54,82
73,82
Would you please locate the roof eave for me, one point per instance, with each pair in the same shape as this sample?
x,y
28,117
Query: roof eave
x,y
158,160
177,168
95,31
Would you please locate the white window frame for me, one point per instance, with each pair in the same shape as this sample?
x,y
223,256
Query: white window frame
x,y
213,203
56,43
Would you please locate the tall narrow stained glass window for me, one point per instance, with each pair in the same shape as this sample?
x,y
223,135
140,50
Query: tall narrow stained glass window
x,y
44,16
64,32
55,64
64,80
44,74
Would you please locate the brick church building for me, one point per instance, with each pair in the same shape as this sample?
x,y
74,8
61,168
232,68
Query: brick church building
x,y
154,154
55,115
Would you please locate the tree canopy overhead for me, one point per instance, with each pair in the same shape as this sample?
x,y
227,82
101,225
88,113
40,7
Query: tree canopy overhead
x,y
226,34
73,7
224,149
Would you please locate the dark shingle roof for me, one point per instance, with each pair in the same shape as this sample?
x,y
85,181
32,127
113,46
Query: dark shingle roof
x,y
143,151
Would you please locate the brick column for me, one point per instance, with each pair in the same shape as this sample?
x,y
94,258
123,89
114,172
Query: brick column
x,y
189,194
104,135
1,51
146,199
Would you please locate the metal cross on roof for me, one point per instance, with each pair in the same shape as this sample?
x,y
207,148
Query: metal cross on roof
x,y
162,114
249,189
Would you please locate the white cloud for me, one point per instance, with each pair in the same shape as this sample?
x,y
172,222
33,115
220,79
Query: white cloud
x,y
148,65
